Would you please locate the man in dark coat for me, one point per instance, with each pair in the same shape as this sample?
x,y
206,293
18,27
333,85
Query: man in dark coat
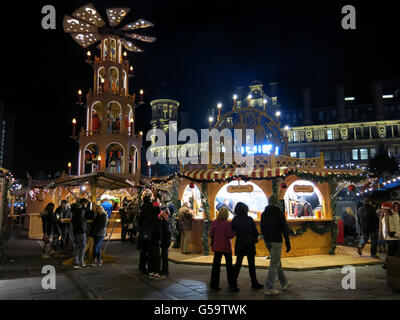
x,y
369,225
273,225
79,228
245,245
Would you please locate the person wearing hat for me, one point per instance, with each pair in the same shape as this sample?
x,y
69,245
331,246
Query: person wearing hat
x,y
369,226
390,228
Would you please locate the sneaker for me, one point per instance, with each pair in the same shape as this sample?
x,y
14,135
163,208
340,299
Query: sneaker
x,y
83,266
75,266
359,250
271,292
156,276
287,285
257,286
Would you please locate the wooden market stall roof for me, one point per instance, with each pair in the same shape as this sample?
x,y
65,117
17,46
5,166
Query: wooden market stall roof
x,y
263,173
100,180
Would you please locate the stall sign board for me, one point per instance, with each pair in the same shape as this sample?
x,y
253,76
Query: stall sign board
x,y
240,188
304,189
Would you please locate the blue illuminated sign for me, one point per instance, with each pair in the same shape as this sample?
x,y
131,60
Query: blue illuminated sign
x,y
260,149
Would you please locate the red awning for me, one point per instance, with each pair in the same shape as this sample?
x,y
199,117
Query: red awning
x,y
259,173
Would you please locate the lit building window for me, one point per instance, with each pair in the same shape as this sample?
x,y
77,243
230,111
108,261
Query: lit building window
x,y
373,153
302,155
329,134
354,154
364,154
293,154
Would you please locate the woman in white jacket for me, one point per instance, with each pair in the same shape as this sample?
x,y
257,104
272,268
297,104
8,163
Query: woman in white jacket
x,y
390,228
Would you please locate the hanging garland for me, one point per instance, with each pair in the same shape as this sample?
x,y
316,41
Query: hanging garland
x,y
207,220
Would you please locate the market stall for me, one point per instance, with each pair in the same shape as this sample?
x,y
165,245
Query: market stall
x,y
304,188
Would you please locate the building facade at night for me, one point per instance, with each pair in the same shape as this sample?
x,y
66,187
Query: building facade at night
x,y
348,133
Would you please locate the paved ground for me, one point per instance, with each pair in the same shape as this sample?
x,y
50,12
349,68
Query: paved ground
x,y
21,277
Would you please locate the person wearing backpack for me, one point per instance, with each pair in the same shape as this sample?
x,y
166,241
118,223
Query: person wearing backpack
x,y
246,239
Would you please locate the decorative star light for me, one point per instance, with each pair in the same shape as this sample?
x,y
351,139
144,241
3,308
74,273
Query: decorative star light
x,y
86,27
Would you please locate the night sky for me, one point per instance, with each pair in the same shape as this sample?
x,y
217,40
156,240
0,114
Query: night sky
x,y
204,50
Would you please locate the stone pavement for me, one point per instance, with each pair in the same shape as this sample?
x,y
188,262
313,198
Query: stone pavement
x,y
21,278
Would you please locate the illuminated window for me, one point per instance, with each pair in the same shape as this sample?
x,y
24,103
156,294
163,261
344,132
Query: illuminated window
x,y
364,154
293,154
373,153
329,134
354,154
302,155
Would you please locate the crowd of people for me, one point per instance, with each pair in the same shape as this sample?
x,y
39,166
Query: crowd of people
x,y
381,226
57,234
152,227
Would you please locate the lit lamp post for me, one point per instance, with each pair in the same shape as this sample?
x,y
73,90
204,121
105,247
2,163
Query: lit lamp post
x,y
141,96
234,101
80,96
210,119
131,70
278,114
74,127
125,54
249,97
265,103
69,168
219,106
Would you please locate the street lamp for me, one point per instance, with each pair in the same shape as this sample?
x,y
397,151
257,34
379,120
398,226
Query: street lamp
x,y
149,168
249,97
278,114
265,101
69,168
234,101
210,119
219,106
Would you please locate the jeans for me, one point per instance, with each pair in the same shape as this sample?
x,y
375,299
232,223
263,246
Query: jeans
x,y
97,248
275,265
252,268
164,260
79,248
185,240
216,269
374,241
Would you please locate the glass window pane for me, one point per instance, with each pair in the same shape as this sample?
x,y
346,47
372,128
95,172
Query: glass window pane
x,y
364,154
293,154
355,154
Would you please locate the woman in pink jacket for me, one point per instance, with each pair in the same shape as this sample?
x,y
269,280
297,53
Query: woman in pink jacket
x,y
221,233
